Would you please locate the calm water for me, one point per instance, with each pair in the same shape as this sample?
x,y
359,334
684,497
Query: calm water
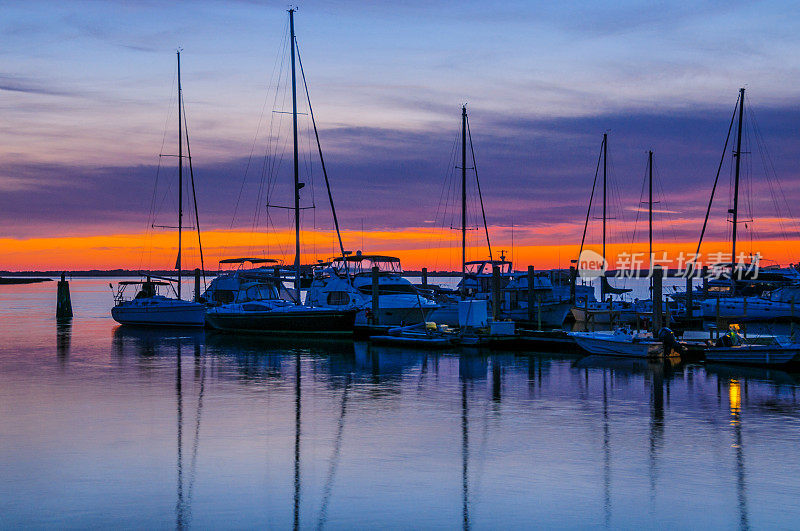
x,y
103,426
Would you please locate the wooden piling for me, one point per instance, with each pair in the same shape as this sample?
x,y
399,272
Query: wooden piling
x,y
495,292
689,297
196,285
658,275
705,282
425,277
573,278
531,300
376,305
63,300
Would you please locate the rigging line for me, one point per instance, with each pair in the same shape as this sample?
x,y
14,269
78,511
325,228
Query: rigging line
x,y
194,195
591,198
478,182
638,208
321,159
258,129
716,179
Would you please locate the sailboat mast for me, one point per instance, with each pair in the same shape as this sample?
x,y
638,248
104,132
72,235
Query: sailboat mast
x,y
650,208
180,174
297,185
738,155
605,181
463,190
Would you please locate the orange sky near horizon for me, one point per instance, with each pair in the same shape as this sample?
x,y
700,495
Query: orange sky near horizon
x,y
415,247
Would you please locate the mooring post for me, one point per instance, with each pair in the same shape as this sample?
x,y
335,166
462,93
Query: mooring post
x,y
376,305
531,285
63,301
705,282
573,278
495,292
791,320
658,275
718,321
425,277
586,314
539,311
689,297
196,284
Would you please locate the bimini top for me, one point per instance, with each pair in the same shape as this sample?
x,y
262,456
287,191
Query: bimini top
x,y
373,257
250,260
151,282
493,262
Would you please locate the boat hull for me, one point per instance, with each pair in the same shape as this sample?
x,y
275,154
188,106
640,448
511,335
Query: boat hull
x,y
753,355
176,313
612,347
277,322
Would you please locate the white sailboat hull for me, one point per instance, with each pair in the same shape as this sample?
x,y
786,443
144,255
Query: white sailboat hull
x,y
159,311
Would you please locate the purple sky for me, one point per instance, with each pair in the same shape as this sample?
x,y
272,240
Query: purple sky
x,y
86,91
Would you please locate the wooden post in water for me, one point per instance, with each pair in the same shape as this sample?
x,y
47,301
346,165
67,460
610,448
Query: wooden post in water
x,y
586,314
705,282
425,277
63,300
196,285
689,297
791,320
539,311
658,275
531,284
573,278
376,305
718,321
495,292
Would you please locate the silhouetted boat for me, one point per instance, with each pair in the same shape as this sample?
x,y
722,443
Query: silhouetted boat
x,y
148,308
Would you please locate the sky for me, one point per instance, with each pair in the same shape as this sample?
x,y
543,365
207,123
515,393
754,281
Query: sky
x,y
87,96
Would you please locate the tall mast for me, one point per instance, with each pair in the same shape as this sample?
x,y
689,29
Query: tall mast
x,y
297,184
463,190
738,155
180,174
650,208
605,180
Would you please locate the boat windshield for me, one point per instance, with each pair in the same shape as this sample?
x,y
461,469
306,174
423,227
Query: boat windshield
x,y
484,267
363,264
258,292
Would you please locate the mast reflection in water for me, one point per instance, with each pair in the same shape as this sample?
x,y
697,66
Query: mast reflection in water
x,y
115,427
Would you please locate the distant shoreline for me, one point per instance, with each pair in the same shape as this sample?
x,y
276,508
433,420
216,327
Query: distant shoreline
x,y
187,273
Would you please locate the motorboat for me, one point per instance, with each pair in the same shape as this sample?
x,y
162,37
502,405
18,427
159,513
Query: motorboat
x,y
346,283
764,350
620,342
778,304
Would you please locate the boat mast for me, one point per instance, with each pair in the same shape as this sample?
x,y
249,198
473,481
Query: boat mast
x,y
650,208
463,190
180,174
297,184
605,180
738,155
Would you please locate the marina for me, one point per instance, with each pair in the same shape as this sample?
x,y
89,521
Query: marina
x,y
510,270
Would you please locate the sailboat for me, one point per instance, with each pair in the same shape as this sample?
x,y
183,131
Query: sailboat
x,y
270,312
477,275
603,311
149,307
776,304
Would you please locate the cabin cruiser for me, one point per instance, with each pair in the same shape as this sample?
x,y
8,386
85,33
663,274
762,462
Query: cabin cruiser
x,y
150,308
232,285
262,304
346,283
771,305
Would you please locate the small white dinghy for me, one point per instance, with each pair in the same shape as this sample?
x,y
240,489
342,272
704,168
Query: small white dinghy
x,y
621,342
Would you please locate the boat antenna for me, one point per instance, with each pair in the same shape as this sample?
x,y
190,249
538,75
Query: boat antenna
x,y
480,196
297,184
321,159
180,173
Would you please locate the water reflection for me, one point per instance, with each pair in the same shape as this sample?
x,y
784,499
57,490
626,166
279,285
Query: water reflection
x,y
735,401
63,339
